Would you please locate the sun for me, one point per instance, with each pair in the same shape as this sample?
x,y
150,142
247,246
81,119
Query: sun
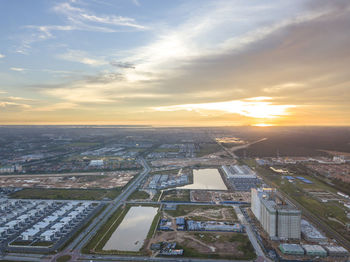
x,y
262,125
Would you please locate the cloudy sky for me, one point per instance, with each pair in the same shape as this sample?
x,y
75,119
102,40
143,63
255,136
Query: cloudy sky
x,y
277,62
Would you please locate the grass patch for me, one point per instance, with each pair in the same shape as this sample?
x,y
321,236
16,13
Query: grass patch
x,y
42,244
156,196
20,243
139,195
176,195
240,240
68,194
208,148
64,258
83,144
166,150
101,237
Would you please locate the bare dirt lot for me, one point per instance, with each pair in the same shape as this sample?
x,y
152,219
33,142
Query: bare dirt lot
x,y
218,213
204,161
79,180
215,196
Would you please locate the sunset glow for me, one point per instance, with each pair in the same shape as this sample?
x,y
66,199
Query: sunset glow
x,y
175,62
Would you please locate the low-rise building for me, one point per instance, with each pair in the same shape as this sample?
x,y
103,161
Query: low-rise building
x,y
337,251
291,249
314,250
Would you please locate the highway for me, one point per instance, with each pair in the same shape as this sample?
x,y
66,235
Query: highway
x,y
89,258
81,241
231,151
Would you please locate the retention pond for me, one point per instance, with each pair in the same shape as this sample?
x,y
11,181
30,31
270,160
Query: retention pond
x,y
132,232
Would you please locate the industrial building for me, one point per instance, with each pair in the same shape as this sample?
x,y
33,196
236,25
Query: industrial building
x,y
242,178
38,220
337,251
213,226
279,219
314,250
310,233
166,181
165,225
167,249
291,249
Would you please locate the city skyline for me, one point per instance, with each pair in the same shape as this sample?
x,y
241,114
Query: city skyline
x,y
175,62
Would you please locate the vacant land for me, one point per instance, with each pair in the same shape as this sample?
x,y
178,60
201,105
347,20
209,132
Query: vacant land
x,y
136,195
176,195
103,180
221,245
208,148
207,212
68,194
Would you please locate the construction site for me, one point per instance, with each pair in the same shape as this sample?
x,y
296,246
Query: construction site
x,y
77,180
202,231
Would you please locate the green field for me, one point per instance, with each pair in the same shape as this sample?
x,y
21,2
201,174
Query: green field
x,y
68,194
208,148
166,150
136,195
176,195
241,241
64,258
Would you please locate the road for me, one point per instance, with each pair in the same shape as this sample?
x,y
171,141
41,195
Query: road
x,y
89,258
80,241
250,233
232,150
74,248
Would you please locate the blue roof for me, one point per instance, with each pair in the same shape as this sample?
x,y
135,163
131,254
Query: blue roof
x,y
307,181
289,177
180,220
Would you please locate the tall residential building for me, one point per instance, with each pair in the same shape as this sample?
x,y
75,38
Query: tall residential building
x,y
280,220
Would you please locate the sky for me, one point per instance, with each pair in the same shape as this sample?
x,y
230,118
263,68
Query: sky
x,y
179,62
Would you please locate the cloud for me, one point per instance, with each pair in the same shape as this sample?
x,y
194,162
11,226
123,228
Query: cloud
x,y
56,107
17,98
13,105
80,19
17,69
253,61
122,64
83,18
82,57
254,107
2,56
284,87
136,2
